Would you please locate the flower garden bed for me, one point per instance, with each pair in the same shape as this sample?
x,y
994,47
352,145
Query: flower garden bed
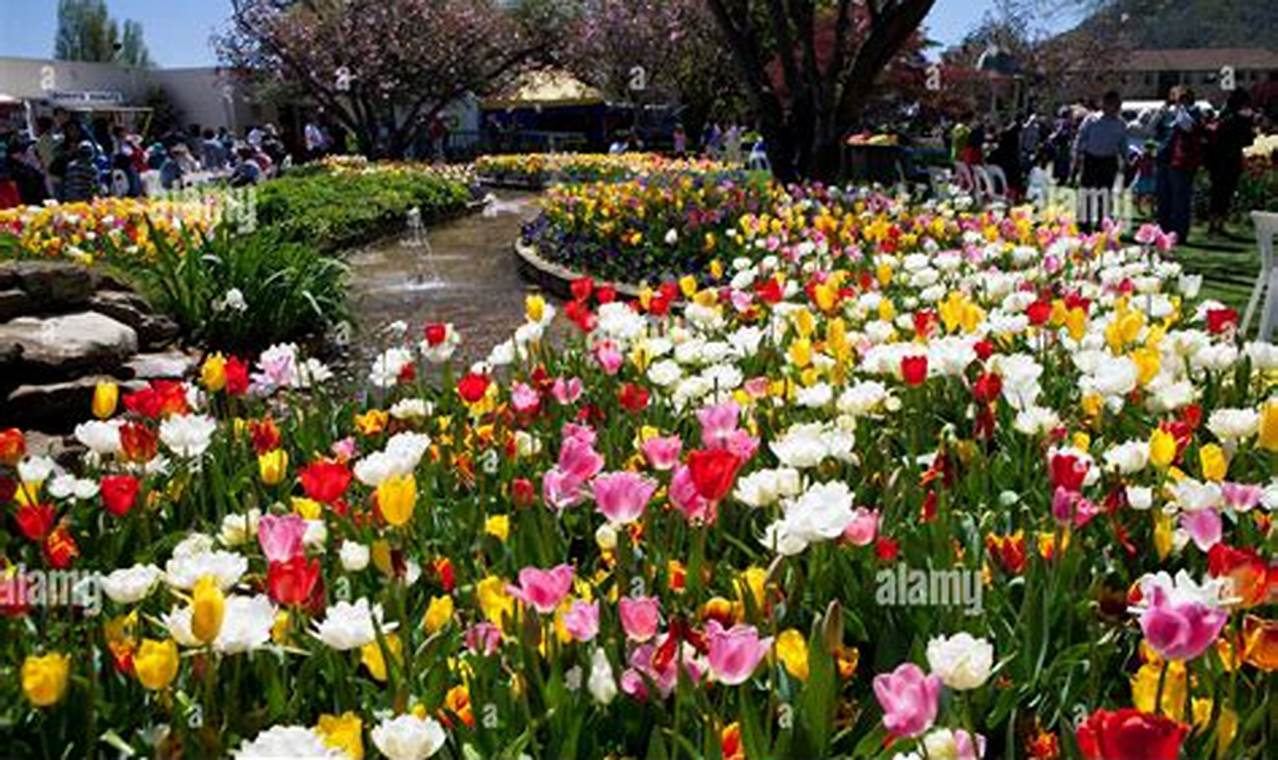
x,y
894,482
534,171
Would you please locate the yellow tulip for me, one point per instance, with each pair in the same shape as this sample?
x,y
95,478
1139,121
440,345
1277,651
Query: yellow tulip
x,y
343,732
273,466
1164,535
498,526
438,613
105,396
494,601
1162,448
213,373
208,608
792,651
307,509
1268,438
396,497
1175,688
534,308
716,269
372,658
156,663
800,352
688,285
44,678
1212,459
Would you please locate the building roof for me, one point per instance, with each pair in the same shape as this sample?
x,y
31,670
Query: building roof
x,y
547,87
1201,59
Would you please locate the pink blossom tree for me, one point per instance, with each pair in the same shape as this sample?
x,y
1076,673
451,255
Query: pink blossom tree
x,y
383,68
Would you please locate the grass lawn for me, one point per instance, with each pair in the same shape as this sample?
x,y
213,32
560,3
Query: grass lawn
x,y
1229,264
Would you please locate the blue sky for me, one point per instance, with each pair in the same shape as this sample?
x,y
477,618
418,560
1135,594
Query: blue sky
x,y
177,31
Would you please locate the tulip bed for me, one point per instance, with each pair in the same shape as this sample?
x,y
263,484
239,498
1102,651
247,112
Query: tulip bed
x,y
541,168
661,224
710,532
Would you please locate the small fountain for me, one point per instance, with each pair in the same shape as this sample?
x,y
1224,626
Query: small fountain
x,y
426,276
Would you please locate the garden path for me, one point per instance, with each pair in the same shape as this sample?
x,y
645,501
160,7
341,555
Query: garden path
x,y
470,279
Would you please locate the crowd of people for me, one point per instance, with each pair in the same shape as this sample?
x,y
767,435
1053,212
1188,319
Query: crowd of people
x,y
68,158
1098,149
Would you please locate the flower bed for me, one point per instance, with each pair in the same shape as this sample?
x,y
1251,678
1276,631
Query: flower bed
x,y
655,227
912,481
538,169
83,231
343,203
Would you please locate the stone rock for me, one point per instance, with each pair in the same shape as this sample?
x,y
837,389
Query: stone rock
x,y
63,346
167,365
56,407
54,286
108,281
154,330
14,303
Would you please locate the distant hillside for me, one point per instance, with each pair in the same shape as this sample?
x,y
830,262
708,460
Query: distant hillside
x,y
1163,24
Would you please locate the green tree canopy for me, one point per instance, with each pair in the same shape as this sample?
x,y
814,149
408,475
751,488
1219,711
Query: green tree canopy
x,y
86,32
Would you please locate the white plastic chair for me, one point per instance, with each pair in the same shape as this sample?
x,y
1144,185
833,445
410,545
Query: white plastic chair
x,y
985,185
998,181
1267,281
940,180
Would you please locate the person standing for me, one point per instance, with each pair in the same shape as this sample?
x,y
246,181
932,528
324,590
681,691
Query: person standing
x,y
1184,158
1100,148
1232,133
80,181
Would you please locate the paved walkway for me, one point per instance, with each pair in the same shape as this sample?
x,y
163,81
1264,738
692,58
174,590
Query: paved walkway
x,y
469,278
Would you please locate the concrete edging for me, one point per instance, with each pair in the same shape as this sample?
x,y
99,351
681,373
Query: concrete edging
x,y
554,278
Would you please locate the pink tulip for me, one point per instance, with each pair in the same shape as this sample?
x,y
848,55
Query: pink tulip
x,y
742,444
640,617
909,699
684,495
664,674
561,490
579,459
566,391
524,398
734,653
1241,497
608,356
622,496
864,527
581,433
543,590
483,638
1180,619
662,453
1203,526
718,422
582,620
345,448
281,537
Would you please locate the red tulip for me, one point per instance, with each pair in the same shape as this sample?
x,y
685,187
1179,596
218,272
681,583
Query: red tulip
x,y
237,376
522,492
713,472
472,387
119,492
35,521
632,397
1219,320
324,481
294,581
60,548
13,446
1039,312
605,294
987,387
1249,573
138,442
447,577
914,369
1068,472
436,333
1129,734
582,287
265,435
8,488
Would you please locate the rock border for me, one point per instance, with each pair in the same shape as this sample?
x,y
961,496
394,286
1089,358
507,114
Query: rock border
x,y
501,183
555,278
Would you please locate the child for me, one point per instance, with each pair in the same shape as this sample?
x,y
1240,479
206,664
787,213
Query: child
x,y
1143,185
